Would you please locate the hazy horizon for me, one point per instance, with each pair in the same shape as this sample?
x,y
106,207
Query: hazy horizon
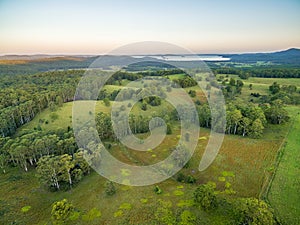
x,y
97,27
97,54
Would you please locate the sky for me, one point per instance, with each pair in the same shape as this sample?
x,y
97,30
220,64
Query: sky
x,y
99,26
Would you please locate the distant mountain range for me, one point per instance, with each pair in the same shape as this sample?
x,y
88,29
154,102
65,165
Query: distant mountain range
x,y
290,56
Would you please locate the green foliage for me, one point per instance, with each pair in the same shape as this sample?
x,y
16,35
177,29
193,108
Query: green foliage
x,y
232,82
126,206
178,192
75,215
164,213
61,211
185,203
225,186
106,102
25,209
153,100
77,175
110,188
256,129
169,129
274,88
276,114
183,178
187,218
91,215
157,190
192,93
55,171
180,177
205,197
252,211
104,126
118,213
186,81
144,200
190,179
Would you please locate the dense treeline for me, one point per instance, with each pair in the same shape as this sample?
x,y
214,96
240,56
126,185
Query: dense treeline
x,y
246,119
23,97
245,73
55,155
26,150
164,72
120,75
43,65
149,65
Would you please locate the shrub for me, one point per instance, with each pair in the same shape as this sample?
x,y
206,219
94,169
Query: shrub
x,y
190,179
106,102
180,177
205,197
157,190
26,208
192,93
110,188
61,211
169,129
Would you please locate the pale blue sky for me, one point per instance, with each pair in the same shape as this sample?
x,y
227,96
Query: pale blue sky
x,y
91,27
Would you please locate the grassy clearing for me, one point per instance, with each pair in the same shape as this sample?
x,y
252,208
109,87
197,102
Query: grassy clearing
x,y
63,120
129,202
261,85
237,154
176,76
284,194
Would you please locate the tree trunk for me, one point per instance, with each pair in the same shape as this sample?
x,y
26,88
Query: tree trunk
x,y
235,127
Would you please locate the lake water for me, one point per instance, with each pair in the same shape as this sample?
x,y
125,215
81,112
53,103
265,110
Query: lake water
x,y
186,57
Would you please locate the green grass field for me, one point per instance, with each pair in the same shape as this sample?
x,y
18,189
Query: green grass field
x,y
176,76
284,194
249,159
63,120
90,192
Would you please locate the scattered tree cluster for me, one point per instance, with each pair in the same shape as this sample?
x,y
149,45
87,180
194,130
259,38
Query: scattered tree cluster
x,y
62,170
185,82
232,88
